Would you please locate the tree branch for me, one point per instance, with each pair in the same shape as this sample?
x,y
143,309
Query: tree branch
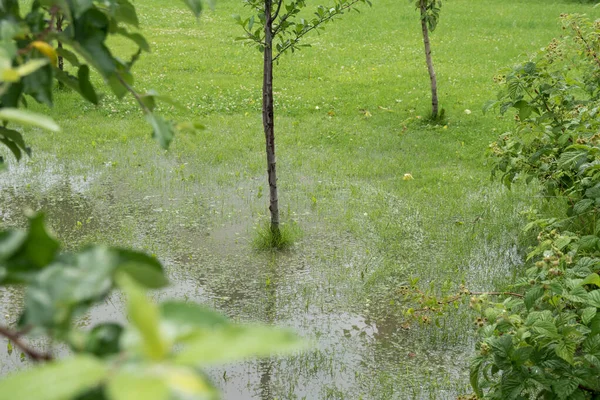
x,y
313,27
135,94
459,296
280,2
498,294
15,338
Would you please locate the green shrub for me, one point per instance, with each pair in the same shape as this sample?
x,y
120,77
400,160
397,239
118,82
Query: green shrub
x,y
543,341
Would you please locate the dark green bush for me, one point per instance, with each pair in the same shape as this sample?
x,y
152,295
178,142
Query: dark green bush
x,y
544,340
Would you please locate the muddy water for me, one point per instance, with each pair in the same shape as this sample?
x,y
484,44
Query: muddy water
x,y
202,234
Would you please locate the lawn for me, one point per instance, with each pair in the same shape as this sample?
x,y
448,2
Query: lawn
x,y
350,122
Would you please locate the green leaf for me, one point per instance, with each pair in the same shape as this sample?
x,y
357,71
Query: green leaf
x,y
69,80
564,388
532,295
103,339
562,242
38,85
524,109
90,32
137,386
237,343
125,12
592,279
31,66
475,368
593,192
145,318
164,383
24,254
85,86
142,268
588,314
117,87
195,6
149,101
594,298
184,320
69,56
29,118
66,289
82,6
136,38
594,325
588,242
582,206
512,386
546,328
16,138
571,158
565,350
70,285
162,130
489,105
57,380
12,147
577,295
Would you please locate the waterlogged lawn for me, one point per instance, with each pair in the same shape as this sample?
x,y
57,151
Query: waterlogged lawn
x,y
349,126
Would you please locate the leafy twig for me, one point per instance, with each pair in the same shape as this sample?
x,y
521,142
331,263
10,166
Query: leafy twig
x,y
135,94
320,22
15,338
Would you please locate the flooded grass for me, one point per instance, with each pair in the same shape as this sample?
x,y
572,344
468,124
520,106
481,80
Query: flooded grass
x,y
366,231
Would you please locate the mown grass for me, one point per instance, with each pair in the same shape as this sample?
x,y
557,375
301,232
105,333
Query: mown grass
x,y
350,122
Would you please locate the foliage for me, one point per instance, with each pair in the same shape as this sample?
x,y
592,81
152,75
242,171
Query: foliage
x,y
29,61
288,25
432,12
158,354
547,343
281,29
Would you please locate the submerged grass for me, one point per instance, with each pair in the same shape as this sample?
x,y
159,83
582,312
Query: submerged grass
x,y
265,239
350,122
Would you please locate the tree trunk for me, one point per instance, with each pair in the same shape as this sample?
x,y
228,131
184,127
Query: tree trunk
x,y
59,28
434,97
268,123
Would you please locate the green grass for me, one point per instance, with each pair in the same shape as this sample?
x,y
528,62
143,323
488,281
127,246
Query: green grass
x,y
340,169
265,239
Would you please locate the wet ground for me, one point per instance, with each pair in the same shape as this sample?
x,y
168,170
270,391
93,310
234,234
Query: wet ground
x,y
319,288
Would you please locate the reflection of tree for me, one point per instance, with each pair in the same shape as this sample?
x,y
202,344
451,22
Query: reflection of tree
x,y
266,365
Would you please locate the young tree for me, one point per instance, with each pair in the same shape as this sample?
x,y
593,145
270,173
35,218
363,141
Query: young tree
x,y
156,355
430,14
280,24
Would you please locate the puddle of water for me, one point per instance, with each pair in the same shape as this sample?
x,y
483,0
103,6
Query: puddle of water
x,y
203,237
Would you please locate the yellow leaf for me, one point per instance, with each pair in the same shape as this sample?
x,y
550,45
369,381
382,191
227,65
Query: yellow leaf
x,y
407,177
46,50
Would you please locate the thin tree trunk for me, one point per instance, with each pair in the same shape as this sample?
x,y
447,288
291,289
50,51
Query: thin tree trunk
x,y
268,123
59,28
434,97
61,61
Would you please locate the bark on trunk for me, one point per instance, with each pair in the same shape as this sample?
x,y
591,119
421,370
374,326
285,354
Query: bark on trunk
x,y
268,123
434,97
59,28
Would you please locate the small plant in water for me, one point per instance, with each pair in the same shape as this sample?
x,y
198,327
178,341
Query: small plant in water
x,y
284,238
